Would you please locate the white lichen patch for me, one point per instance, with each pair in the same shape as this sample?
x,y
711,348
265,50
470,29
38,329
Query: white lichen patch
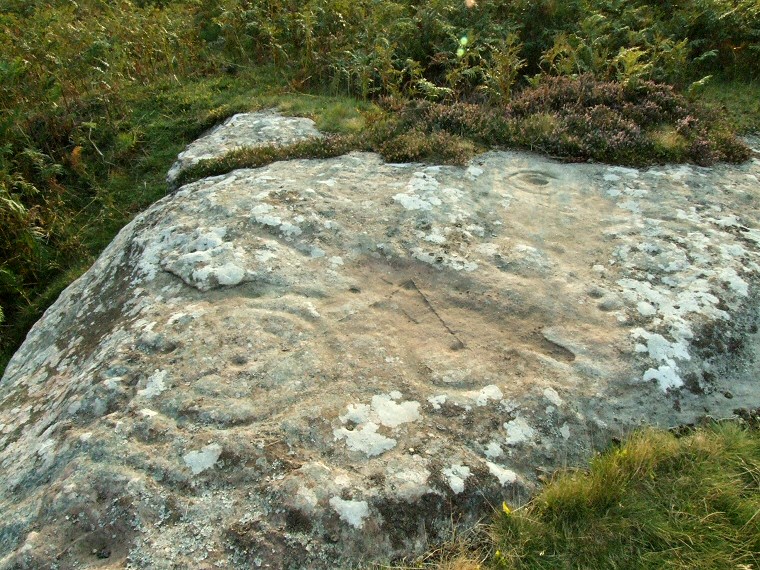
x,y
666,375
391,414
199,461
456,476
667,353
155,385
266,254
422,193
226,274
487,249
289,229
306,499
365,439
384,410
738,285
474,171
411,202
407,479
623,171
490,392
262,214
357,413
531,257
480,398
437,401
505,476
342,480
311,310
436,237
646,309
661,349
201,258
518,431
475,229
210,239
351,512
493,450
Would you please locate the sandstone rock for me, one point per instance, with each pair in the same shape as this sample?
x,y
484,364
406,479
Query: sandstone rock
x,y
243,130
321,363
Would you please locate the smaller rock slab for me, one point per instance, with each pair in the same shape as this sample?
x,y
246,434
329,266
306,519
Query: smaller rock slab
x,y
244,130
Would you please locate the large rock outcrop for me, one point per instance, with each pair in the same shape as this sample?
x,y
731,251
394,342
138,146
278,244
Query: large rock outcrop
x,y
242,131
321,363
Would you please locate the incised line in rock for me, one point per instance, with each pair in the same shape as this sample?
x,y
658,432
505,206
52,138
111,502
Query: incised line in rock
x,y
411,284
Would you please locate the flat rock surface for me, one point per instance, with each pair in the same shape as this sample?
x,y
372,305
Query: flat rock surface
x,y
244,130
321,363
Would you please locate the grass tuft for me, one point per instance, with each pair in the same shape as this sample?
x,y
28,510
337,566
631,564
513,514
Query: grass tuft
x,y
254,157
738,102
657,501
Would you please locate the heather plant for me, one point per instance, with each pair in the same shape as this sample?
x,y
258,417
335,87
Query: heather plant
x,y
621,122
571,118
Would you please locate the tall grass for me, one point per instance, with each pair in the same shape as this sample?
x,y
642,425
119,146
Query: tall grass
x,y
657,501
66,128
390,47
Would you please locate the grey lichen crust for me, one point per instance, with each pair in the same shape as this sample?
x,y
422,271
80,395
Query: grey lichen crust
x,y
321,363
244,130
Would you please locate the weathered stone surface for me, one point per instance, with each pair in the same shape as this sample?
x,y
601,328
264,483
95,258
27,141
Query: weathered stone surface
x,y
243,131
323,362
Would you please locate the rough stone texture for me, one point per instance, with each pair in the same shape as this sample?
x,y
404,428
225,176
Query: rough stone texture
x,y
242,131
317,363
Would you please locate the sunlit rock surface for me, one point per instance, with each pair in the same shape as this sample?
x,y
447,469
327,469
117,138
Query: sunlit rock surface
x,y
326,362
244,130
